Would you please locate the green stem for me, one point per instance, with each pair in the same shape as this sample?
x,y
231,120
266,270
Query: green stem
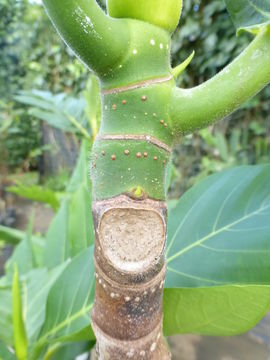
x,y
98,40
195,108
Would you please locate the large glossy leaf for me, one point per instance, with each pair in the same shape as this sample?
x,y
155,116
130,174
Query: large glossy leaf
x,y
249,15
72,228
71,351
219,244
36,286
70,301
218,310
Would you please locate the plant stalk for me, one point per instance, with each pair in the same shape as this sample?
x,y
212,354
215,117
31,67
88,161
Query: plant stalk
x,y
130,271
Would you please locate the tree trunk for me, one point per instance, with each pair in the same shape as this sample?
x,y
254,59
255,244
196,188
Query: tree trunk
x,y
128,171
62,156
130,271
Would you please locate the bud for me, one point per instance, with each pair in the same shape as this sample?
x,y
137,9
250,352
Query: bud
x,y
164,14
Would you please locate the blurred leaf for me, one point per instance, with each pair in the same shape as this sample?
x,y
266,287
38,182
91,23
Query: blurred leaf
x,y
5,354
36,286
60,111
11,236
80,225
20,337
69,302
5,125
249,15
36,193
71,351
93,103
81,173
72,226
40,150
56,120
235,141
57,234
208,137
6,326
221,145
23,256
222,226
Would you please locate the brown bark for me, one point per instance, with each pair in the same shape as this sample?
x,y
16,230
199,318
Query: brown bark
x,y
130,270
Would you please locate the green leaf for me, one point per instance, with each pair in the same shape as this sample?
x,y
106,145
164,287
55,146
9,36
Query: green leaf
x,y
70,301
71,351
81,229
56,249
36,286
23,255
221,145
11,236
56,120
218,236
218,310
81,234
249,15
36,193
81,172
72,228
61,111
6,327
5,353
20,337
93,103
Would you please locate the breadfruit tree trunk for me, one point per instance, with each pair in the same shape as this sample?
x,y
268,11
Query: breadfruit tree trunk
x,y
128,166
144,113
